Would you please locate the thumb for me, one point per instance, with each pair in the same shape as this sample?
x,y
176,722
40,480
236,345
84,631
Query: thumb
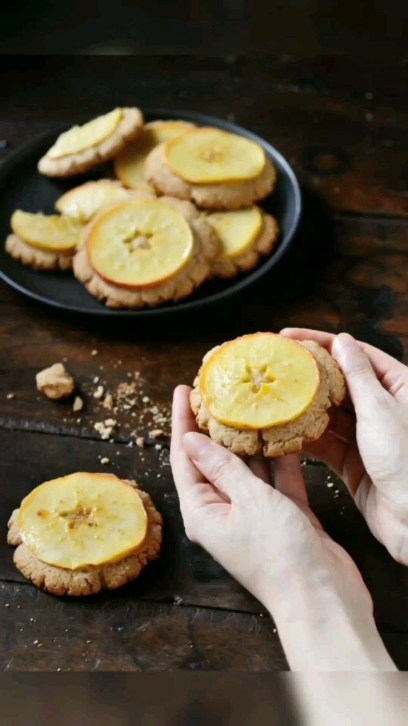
x,y
364,387
221,468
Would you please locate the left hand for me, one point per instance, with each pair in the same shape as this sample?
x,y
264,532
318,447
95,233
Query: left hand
x,y
272,543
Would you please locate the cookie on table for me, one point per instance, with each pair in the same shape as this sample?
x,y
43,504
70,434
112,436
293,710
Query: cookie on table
x,y
86,200
245,236
212,168
145,252
129,164
82,147
43,242
82,533
266,393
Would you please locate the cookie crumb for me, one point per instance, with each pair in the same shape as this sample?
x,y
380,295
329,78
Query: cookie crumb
x,y
105,460
11,395
140,441
158,447
108,401
156,433
78,404
178,600
99,392
55,382
105,428
94,352
96,379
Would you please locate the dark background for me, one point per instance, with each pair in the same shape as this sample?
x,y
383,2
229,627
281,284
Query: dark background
x,y
361,29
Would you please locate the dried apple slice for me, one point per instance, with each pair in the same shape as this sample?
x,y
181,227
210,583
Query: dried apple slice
x,y
129,164
208,155
82,519
85,201
49,233
237,230
139,244
78,138
259,381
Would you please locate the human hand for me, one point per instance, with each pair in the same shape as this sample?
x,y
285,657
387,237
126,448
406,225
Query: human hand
x,y
366,443
272,543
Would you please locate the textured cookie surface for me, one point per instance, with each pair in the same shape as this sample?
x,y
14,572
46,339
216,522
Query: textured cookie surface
x,y
226,267
37,259
221,195
195,272
128,129
92,579
285,438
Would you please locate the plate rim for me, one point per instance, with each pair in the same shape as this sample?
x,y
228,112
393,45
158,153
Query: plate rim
x,y
16,156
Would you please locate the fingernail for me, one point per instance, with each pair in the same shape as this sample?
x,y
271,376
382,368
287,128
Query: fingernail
x,y
342,341
196,444
285,331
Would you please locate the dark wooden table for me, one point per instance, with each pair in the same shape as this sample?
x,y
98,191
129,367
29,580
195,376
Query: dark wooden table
x,y
342,128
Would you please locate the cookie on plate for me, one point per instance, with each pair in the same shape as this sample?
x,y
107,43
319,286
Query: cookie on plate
x,y
44,242
264,392
82,533
212,168
245,235
83,147
86,200
129,164
145,251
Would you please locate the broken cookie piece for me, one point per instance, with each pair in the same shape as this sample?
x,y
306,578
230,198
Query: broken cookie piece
x,y
55,382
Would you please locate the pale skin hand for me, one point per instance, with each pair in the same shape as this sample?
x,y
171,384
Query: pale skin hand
x,y
366,443
272,543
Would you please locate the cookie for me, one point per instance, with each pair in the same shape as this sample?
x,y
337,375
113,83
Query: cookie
x,y
82,147
259,394
86,523
245,236
229,194
134,285
38,259
129,164
55,382
86,200
44,242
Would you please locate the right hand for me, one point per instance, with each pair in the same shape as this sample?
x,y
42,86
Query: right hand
x,y
366,443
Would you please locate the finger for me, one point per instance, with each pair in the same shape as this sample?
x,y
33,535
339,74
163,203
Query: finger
x,y
366,392
289,481
184,472
319,336
289,478
342,424
341,457
260,467
222,468
387,369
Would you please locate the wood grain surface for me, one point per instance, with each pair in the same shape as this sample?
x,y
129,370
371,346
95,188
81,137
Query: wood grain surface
x,y
343,130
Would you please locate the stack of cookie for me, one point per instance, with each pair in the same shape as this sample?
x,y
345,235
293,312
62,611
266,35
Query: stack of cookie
x,y
181,211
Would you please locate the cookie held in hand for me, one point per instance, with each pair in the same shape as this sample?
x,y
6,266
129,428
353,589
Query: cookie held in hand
x,y
264,392
82,533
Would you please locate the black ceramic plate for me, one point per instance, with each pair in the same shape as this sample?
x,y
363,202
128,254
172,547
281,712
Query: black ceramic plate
x,y
22,187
